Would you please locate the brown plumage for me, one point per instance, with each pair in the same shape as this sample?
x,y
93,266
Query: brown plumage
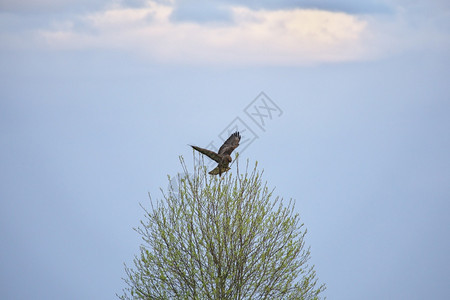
x,y
223,157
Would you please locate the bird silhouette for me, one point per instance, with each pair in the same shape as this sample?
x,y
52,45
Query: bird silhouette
x,y
223,157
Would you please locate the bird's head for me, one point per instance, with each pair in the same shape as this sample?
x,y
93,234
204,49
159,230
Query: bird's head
x,y
227,158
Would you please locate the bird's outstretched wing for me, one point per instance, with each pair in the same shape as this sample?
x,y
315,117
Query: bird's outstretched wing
x,y
211,154
230,144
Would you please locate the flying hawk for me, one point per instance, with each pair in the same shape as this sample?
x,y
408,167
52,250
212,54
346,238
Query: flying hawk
x,y
223,157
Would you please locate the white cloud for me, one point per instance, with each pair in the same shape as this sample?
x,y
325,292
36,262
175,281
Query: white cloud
x,y
293,36
247,36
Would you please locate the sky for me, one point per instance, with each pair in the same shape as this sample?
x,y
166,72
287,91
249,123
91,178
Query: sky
x,y
344,104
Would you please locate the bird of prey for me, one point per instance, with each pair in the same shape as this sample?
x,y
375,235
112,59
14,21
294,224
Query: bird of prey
x,y
223,157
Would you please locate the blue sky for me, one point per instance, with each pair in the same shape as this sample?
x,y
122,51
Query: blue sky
x,y
99,98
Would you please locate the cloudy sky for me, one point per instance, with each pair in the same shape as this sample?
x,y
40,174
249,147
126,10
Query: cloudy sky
x,y
345,105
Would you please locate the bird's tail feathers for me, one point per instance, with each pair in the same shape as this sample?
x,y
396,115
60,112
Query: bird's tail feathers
x,y
217,170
